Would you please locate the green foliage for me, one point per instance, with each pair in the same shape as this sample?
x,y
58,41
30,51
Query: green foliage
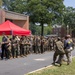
x,y
14,5
6,4
47,30
18,6
69,18
44,10
1,3
36,30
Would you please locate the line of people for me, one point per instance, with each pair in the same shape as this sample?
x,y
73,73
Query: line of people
x,y
23,45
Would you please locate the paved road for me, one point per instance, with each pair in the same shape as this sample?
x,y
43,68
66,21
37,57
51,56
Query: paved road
x,y
21,66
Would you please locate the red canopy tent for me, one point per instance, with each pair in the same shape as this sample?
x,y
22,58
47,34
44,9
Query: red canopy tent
x,y
11,29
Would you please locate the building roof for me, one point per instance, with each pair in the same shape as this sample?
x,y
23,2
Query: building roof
x,y
14,15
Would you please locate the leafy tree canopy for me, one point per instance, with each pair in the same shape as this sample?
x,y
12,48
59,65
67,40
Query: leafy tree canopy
x,y
44,10
69,16
1,3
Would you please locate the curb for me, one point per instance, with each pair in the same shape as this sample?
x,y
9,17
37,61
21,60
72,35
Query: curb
x,y
38,69
42,68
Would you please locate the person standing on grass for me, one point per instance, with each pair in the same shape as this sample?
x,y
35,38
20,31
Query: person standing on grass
x,y
59,51
68,46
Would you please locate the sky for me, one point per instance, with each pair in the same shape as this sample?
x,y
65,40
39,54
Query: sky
x,y
69,3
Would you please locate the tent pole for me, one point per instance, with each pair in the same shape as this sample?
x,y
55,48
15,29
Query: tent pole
x,y
11,33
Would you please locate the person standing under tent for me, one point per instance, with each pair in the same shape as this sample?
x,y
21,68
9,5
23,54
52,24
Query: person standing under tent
x,y
4,47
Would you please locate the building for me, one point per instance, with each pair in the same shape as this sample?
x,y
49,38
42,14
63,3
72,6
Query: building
x,y
18,19
59,30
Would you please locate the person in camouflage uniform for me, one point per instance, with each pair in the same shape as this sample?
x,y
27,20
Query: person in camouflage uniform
x,y
14,48
17,46
42,44
27,45
22,43
34,44
49,43
38,44
8,47
31,44
46,48
54,43
59,51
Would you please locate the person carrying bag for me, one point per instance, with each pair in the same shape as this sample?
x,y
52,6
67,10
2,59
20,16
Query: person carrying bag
x,y
68,47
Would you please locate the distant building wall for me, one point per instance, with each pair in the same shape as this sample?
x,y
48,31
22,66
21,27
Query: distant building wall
x,y
18,19
63,31
60,31
2,16
21,23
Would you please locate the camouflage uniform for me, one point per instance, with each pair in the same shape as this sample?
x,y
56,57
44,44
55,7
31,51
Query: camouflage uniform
x,y
31,44
27,46
14,48
46,44
22,42
17,46
42,44
38,44
9,48
59,51
34,44
49,44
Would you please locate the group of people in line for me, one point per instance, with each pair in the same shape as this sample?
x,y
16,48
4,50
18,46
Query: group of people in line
x,y
63,48
21,46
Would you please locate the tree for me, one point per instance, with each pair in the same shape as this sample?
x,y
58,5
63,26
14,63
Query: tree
x,y
69,18
14,5
17,6
44,11
47,30
35,29
6,4
1,3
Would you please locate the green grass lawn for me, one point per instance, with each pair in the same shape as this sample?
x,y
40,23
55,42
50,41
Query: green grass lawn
x,y
55,70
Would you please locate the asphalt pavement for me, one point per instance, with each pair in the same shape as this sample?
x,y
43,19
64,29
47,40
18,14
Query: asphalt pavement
x,y
22,66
